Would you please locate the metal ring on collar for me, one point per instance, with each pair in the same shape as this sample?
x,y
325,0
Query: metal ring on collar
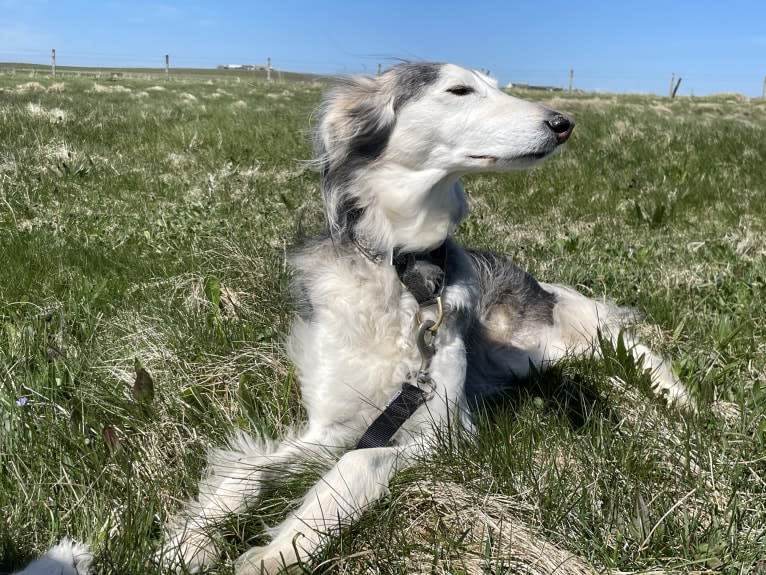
x,y
439,315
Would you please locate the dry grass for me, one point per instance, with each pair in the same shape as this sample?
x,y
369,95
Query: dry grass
x,y
490,530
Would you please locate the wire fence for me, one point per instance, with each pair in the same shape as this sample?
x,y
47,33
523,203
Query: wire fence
x,y
625,80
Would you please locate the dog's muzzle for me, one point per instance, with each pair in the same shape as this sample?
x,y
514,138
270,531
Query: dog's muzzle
x,y
561,126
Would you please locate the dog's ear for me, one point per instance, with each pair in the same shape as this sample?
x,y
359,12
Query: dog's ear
x,y
356,120
355,124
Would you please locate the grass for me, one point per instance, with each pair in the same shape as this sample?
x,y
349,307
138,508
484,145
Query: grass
x,y
144,226
184,74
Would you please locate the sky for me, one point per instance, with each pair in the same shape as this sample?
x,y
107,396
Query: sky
x,y
613,46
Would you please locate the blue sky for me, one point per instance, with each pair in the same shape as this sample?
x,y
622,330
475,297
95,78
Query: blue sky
x,y
620,46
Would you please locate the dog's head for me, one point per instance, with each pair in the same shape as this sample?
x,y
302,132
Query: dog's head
x,y
436,120
462,122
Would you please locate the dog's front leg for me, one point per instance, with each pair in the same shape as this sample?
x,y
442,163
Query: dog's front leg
x,y
234,480
361,477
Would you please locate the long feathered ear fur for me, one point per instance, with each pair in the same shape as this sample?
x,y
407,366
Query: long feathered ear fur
x,y
356,119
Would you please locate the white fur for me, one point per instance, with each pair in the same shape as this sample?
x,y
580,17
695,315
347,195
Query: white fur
x,y
356,346
65,558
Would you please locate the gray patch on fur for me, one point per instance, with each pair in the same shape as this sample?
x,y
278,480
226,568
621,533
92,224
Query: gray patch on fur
x,y
411,79
508,290
504,283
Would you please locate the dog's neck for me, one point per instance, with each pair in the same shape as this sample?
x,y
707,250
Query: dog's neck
x,y
411,211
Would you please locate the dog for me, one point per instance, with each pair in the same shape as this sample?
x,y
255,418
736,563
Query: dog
x,y
394,312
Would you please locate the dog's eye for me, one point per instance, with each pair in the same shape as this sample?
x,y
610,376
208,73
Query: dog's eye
x,y
461,90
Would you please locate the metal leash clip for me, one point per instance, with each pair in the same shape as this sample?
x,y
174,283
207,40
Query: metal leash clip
x,y
427,349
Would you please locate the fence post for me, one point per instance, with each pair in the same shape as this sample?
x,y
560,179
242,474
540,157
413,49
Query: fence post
x,y
763,93
167,66
675,88
268,69
53,62
571,78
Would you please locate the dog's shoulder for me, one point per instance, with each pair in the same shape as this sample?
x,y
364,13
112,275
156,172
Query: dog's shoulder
x,y
321,255
329,272
311,250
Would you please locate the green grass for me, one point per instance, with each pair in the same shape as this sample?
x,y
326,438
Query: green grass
x,y
146,222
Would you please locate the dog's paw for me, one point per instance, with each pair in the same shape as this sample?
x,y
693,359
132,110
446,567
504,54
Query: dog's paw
x,y
267,560
188,551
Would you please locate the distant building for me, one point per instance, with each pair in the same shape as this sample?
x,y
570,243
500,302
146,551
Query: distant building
x,y
239,67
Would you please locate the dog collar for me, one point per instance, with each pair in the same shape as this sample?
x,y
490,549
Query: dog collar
x,y
369,252
422,273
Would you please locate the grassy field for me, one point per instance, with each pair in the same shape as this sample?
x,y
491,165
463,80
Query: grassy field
x,y
177,74
144,227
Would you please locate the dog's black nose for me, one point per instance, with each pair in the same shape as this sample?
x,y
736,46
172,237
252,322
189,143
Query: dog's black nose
x,y
561,126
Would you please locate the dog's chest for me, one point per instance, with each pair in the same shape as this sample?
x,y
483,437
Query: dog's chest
x,y
359,343
380,328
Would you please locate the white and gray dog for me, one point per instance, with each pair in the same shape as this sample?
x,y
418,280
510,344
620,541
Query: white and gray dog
x,y
401,328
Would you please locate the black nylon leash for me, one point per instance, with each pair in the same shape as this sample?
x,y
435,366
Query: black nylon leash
x,y
424,276
399,409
